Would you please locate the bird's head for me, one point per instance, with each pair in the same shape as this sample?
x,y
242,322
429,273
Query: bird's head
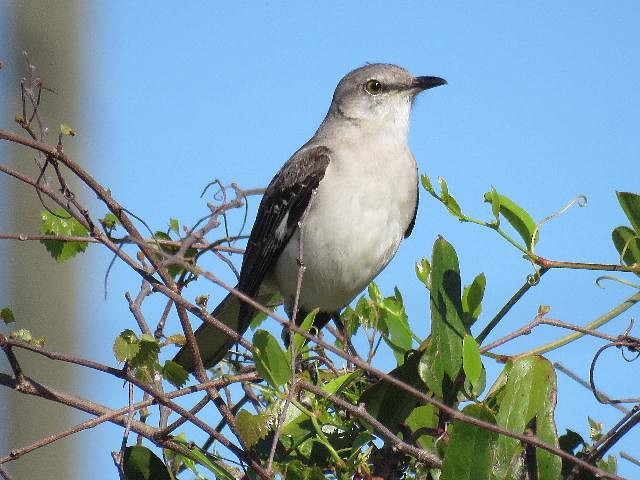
x,y
379,94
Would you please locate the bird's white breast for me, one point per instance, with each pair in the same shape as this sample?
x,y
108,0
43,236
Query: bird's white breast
x,y
358,217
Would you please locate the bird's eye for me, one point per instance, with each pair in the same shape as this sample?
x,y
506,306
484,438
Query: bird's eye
x,y
373,86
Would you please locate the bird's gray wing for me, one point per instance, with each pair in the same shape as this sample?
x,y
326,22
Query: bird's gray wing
x,y
284,201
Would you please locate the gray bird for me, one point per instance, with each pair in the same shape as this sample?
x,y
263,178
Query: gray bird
x,y
365,180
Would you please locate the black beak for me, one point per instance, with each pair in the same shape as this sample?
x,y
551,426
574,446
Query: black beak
x,y
424,83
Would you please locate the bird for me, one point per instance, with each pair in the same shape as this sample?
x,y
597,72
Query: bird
x,y
355,186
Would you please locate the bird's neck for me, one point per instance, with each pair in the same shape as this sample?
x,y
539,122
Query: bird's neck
x,y
392,127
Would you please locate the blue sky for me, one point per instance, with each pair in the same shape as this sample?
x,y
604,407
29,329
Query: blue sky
x,y
542,103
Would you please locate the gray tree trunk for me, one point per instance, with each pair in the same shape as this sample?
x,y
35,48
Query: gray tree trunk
x,y
42,293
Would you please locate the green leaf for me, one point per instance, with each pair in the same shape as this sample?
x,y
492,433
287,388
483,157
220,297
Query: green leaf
x,y
147,353
109,221
469,454
126,346
305,326
6,314
174,373
471,361
272,362
67,130
595,429
174,225
627,242
525,399
61,224
448,200
519,219
423,418
253,428
339,383
379,398
297,470
442,362
472,299
495,205
374,292
271,302
423,270
140,463
426,183
140,353
26,336
398,335
609,465
197,455
630,203
570,441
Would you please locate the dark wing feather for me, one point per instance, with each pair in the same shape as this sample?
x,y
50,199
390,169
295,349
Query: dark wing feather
x,y
287,196
415,213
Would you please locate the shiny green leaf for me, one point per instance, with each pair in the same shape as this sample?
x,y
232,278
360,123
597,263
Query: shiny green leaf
x,y
519,219
525,399
469,454
374,292
335,385
472,299
426,183
627,242
423,418
442,362
448,200
495,205
630,203
471,361
197,455
305,326
272,362
140,463
398,336
381,395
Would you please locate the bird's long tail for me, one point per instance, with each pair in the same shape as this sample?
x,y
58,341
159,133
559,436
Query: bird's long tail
x,y
214,344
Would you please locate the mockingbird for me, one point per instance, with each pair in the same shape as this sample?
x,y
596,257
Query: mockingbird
x,y
359,181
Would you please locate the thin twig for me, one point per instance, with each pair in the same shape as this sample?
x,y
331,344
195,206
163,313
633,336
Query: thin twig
x,y
576,378
630,458
536,322
598,322
531,281
607,267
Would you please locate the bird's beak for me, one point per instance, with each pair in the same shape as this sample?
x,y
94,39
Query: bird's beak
x,y
424,83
